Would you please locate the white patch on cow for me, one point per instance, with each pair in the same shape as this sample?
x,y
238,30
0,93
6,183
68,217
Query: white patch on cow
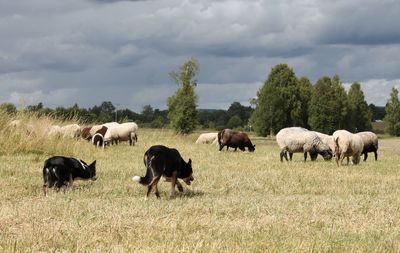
x,y
136,179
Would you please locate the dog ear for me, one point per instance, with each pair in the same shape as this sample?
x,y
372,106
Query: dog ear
x,y
93,163
190,161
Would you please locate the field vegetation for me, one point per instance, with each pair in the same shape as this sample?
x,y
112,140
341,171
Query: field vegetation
x,y
239,201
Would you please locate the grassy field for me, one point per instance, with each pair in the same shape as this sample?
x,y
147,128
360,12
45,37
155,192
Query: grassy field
x,y
239,201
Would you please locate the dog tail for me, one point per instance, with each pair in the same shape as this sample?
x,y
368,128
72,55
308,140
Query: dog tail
x,y
149,172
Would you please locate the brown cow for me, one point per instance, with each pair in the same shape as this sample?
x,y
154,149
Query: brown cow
x,y
234,139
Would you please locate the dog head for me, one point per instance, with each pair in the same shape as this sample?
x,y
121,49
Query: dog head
x,y
187,172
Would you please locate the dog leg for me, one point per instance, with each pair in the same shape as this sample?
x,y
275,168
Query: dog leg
x,y
173,183
155,183
180,187
45,189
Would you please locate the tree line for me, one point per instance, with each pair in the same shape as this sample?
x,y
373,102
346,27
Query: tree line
x,y
284,100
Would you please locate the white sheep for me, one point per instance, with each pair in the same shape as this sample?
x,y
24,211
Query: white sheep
x,y
327,139
71,131
122,132
347,144
297,139
370,141
54,131
207,138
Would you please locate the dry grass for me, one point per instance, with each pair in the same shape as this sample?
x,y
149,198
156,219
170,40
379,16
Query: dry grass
x,y
239,202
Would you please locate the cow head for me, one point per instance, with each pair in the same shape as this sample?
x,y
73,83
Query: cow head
x,y
252,148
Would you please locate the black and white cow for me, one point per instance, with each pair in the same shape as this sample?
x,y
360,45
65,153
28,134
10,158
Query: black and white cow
x,y
167,162
61,171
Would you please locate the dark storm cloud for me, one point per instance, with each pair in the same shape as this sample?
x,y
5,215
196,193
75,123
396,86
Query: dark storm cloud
x,y
59,52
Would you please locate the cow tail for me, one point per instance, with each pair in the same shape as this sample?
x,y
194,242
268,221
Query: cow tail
x,y
149,172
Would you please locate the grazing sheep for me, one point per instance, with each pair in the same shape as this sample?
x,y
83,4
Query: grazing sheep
x,y
122,132
327,139
346,145
297,139
370,141
98,137
71,131
28,128
54,131
85,134
207,138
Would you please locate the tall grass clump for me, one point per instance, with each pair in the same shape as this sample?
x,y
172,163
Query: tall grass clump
x,y
28,132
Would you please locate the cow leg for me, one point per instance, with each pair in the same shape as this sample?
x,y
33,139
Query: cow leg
x,y
173,183
235,149
221,147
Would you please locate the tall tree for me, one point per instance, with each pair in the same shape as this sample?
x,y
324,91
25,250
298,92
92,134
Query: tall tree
x,y
306,89
323,107
392,117
182,111
342,117
277,103
359,110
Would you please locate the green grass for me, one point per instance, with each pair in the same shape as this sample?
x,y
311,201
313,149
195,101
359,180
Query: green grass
x,y
239,202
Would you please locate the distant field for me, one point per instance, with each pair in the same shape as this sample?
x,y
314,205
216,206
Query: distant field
x,y
239,202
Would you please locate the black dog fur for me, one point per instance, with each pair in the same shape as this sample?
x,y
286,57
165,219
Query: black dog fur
x,y
61,171
167,162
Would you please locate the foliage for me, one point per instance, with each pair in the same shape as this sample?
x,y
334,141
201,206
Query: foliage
x,y
359,110
278,104
182,111
392,117
234,122
378,112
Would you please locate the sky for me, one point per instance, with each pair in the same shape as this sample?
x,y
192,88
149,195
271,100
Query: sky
x,y
89,51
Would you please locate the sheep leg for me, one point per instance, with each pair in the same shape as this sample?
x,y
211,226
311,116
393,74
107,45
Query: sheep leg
x,y
290,155
305,156
348,160
376,155
283,154
365,156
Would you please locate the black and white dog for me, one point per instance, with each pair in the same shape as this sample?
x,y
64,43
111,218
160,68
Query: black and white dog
x,y
61,171
167,162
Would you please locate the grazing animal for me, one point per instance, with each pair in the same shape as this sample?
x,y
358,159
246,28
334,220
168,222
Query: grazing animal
x,y
370,141
207,138
347,144
61,171
54,131
122,132
167,162
71,131
327,139
98,137
300,140
234,139
85,134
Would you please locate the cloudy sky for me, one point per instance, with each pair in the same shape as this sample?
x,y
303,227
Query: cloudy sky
x,y
89,51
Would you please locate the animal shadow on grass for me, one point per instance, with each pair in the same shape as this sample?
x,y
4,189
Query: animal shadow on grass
x,y
188,194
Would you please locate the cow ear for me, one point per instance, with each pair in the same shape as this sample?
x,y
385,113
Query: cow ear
x,y
190,161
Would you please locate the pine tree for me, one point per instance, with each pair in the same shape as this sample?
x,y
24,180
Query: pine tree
x,y
182,111
277,103
359,110
392,117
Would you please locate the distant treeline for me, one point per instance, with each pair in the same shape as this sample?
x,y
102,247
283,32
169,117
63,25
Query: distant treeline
x,y
237,116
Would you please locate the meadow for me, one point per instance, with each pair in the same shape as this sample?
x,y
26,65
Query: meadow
x,y
239,201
